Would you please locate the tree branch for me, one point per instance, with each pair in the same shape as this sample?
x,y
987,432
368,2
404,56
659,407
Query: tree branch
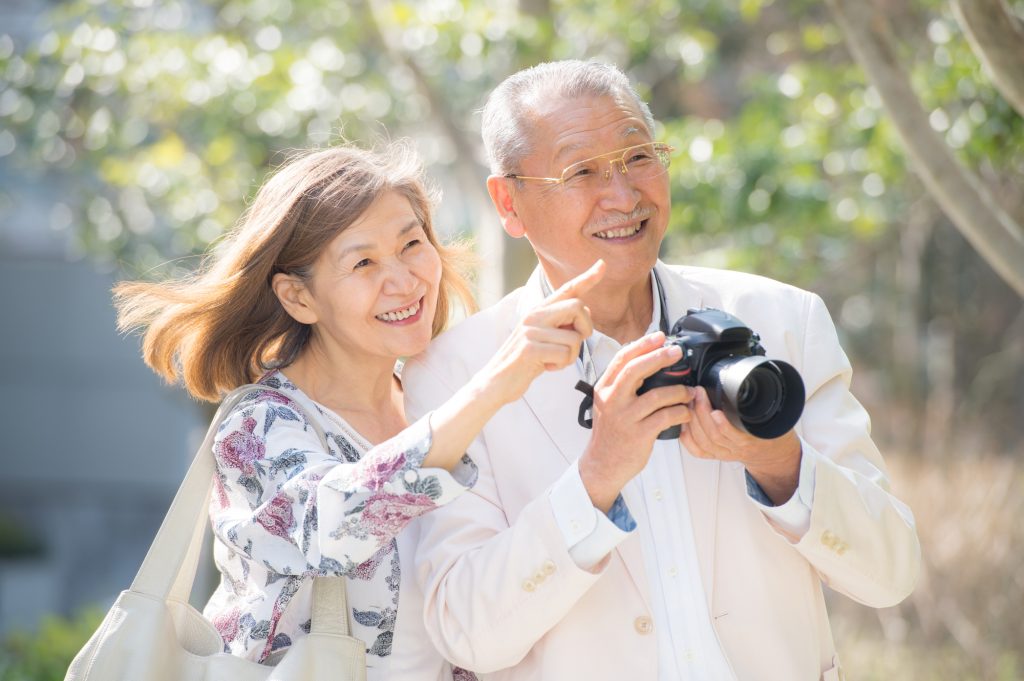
x,y
962,196
996,36
490,279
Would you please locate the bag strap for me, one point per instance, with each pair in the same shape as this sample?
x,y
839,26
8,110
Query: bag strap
x,y
169,568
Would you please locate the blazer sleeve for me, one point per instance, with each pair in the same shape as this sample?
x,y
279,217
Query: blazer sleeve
x,y
862,539
493,586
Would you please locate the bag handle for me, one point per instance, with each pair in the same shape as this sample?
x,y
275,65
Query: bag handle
x,y
169,568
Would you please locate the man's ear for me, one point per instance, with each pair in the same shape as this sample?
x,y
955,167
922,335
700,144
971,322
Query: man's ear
x,y
501,197
294,296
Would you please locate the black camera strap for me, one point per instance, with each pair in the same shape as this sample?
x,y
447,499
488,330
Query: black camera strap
x,y
586,361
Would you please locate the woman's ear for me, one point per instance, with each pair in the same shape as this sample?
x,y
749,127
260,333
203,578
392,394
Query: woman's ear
x,y
294,296
501,197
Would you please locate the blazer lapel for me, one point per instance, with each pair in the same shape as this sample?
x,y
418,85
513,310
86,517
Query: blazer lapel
x,y
554,400
701,475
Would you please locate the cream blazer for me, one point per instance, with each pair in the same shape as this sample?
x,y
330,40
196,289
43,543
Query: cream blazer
x,y
501,595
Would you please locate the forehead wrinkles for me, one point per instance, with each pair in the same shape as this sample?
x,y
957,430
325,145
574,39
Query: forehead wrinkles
x,y
568,126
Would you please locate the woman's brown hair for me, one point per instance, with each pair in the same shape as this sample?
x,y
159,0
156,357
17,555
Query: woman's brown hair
x,y
222,326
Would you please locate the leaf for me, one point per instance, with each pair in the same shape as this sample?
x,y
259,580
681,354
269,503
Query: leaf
x,y
287,414
428,485
367,618
261,631
280,641
382,646
251,485
290,458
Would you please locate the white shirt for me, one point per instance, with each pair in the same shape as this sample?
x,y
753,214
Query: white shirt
x,y
688,647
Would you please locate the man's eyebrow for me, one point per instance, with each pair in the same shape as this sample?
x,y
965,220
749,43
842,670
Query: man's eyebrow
x,y
413,224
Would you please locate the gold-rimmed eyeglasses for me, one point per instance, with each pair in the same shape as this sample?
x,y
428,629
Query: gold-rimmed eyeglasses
x,y
638,162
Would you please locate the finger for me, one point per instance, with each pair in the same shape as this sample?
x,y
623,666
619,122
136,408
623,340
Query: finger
x,y
552,356
666,418
570,314
642,346
660,398
555,336
574,288
638,369
698,440
711,422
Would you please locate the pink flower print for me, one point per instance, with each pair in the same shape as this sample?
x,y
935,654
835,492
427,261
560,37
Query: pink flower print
x,y
227,624
240,448
379,470
220,493
385,515
273,396
276,517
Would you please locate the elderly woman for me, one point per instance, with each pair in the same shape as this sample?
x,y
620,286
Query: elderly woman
x,y
333,274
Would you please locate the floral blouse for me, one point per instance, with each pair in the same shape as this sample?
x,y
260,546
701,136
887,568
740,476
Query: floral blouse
x,y
284,510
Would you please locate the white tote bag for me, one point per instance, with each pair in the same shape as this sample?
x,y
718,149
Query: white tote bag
x,y
152,633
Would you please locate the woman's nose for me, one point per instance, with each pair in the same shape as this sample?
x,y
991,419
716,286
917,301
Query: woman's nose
x,y
400,278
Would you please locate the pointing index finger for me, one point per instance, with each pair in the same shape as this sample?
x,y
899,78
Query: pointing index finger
x,y
574,288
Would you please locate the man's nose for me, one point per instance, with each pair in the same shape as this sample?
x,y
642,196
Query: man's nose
x,y
619,191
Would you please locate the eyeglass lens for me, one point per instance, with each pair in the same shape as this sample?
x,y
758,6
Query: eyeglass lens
x,y
640,162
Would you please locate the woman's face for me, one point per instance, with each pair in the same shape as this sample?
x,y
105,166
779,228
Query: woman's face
x,y
374,288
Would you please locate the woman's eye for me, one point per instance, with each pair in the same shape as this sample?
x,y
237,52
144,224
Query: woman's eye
x,y
362,263
411,244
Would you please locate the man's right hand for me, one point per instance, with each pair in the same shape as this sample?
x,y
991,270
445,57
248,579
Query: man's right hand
x,y
626,424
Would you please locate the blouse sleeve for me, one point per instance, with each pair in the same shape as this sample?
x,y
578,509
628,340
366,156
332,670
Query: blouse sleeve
x,y
283,501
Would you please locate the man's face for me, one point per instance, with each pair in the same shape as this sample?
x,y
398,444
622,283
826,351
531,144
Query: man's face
x,y
621,219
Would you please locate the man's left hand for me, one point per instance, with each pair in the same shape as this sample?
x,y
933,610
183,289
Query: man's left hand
x,y
774,464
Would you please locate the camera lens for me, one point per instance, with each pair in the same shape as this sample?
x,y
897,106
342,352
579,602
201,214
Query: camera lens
x,y
760,395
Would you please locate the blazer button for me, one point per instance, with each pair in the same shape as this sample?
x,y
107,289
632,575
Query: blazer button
x,y
529,585
643,625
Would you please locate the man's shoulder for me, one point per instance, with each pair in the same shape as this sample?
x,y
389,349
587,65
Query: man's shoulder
x,y
734,282
471,342
734,290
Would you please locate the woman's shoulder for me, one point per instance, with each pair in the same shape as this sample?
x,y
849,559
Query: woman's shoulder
x,y
272,407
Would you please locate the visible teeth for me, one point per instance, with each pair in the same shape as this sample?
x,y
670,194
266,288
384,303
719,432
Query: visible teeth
x,y
400,314
618,233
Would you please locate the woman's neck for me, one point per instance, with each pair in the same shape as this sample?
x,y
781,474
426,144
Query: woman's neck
x,y
345,384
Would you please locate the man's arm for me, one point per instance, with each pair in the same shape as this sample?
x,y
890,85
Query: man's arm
x,y
491,588
862,539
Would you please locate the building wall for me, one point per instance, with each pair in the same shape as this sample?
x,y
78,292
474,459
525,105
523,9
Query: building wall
x,y
93,444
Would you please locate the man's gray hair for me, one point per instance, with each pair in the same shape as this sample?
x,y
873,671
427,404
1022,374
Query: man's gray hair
x,y
505,126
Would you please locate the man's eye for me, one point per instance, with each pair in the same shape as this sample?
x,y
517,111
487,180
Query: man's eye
x,y
578,172
639,157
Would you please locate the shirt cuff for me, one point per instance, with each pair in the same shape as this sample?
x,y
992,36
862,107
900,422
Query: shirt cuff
x,y
794,516
589,534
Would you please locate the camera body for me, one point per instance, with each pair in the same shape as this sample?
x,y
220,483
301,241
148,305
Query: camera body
x,y
721,354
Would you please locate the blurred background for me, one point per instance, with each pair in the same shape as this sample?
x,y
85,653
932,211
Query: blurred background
x,y
872,152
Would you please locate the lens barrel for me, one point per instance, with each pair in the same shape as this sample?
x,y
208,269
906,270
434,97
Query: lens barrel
x,y
764,397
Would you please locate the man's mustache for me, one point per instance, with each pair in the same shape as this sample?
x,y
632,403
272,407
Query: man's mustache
x,y
620,219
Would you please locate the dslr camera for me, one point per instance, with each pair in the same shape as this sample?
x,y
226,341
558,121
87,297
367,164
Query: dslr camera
x,y
760,396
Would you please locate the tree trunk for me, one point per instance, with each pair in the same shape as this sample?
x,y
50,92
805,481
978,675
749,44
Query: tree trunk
x,y
962,196
997,38
489,237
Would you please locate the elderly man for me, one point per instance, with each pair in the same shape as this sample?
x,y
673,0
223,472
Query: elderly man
x,y
609,553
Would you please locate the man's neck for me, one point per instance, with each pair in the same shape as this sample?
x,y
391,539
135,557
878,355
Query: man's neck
x,y
622,313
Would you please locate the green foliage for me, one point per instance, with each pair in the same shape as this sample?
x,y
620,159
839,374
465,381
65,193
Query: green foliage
x,y
46,654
